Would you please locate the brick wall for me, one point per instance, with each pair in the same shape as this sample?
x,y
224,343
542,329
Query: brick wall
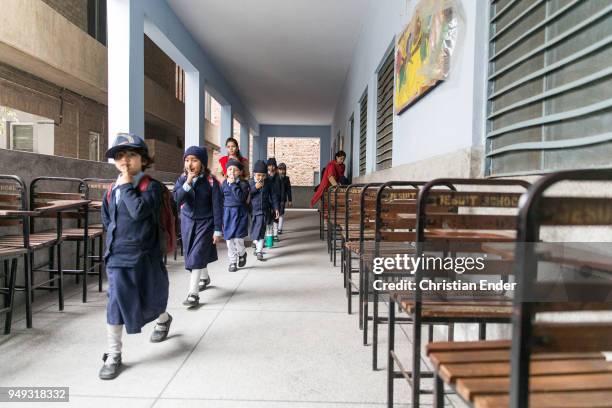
x,y
301,155
74,10
167,157
158,66
73,114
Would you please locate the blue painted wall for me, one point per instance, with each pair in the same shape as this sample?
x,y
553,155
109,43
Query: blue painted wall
x,y
449,118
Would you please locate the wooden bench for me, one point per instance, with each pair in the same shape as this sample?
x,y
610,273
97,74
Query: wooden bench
x,y
336,199
13,205
474,212
64,199
356,230
547,363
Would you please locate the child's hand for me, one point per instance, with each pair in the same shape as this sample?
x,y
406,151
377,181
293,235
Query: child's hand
x,y
230,179
126,177
259,185
289,204
216,239
190,176
276,214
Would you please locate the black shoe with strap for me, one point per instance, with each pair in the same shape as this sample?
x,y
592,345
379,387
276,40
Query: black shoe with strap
x,y
242,260
111,367
203,283
232,267
193,299
160,332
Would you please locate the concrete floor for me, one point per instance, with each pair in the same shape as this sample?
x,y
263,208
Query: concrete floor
x,y
275,334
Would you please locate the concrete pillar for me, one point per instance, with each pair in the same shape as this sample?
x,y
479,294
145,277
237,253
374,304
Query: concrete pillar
x,y
244,140
260,148
125,67
194,109
227,126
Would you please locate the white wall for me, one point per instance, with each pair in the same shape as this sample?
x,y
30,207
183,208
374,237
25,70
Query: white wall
x,y
448,119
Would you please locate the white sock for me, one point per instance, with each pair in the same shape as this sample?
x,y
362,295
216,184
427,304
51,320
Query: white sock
x,y
194,281
275,228
259,244
164,317
204,273
113,338
281,221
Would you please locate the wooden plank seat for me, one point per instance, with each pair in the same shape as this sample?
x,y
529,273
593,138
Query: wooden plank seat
x,y
65,200
358,229
14,214
550,362
73,234
454,223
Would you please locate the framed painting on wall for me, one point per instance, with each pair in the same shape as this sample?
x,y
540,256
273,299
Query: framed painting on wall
x,y
423,51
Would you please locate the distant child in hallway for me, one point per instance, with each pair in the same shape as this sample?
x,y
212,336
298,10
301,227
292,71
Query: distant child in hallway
x,y
198,195
137,277
235,214
285,200
277,190
265,206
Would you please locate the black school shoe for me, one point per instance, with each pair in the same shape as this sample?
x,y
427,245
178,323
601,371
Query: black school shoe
x,y
111,369
203,284
193,299
260,256
160,332
232,268
242,260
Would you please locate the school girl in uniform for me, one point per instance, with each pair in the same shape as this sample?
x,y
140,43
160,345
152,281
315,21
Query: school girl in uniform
x,y
235,214
277,191
199,198
137,277
285,200
265,206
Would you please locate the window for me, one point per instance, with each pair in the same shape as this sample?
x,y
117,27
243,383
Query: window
x,y
363,132
22,137
236,130
384,114
96,19
94,146
549,100
179,81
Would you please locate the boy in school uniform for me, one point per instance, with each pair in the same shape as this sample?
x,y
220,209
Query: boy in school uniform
x,y
265,206
286,200
199,198
235,214
277,191
137,277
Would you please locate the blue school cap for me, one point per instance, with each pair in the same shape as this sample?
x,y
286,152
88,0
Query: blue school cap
x,y
234,162
127,141
272,161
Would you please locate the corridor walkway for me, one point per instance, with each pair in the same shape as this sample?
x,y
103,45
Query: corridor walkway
x,y
274,334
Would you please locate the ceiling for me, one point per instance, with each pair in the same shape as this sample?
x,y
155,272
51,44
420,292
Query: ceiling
x,y
286,59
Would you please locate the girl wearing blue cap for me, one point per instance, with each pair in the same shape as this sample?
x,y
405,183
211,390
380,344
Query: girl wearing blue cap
x,y
198,196
235,214
265,206
137,277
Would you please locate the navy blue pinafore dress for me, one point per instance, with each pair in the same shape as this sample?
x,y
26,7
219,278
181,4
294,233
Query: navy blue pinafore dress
x,y
137,277
201,208
263,203
235,214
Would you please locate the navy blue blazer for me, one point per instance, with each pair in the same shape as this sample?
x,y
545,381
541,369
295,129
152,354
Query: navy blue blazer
x,y
263,200
277,187
235,194
202,201
131,226
286,192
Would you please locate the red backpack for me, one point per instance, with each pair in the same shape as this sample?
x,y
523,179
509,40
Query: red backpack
x,y
166,220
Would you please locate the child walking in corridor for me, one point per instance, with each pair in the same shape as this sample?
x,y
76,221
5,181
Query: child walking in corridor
x,y
276,186
235,214
137,277
285,199
265,206
198,195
